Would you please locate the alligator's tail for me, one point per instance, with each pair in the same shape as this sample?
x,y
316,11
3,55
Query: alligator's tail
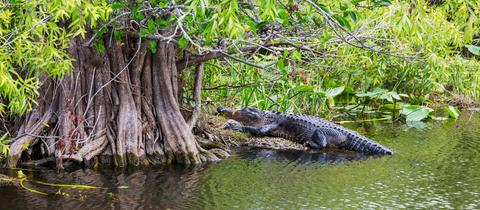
x,y
359,143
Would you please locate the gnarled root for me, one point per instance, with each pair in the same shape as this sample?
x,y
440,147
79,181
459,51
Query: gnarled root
x,y
122,105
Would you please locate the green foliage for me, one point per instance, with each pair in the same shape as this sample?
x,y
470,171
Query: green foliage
x,y
427,42
473,49
34,36
415,112
4,146
452,112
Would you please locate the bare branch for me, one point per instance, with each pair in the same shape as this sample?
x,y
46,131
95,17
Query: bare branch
x,y
255,13
334,25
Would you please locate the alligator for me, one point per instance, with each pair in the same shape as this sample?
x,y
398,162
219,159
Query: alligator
x,y
313,132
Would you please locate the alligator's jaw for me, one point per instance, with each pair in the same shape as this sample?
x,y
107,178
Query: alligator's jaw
x,y
226,112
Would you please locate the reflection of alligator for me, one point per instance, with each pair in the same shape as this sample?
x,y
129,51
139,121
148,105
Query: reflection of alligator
x,y
300,157
311,131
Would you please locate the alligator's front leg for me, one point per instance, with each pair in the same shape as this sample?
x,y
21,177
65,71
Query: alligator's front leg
x,y
261,131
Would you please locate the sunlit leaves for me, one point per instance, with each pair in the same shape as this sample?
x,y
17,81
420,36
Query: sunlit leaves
x,y
452,111
34,38
135,12
117,5
415,113
118,35
343,21
152,46
100,46
4,145
282,67
382,2
332,92
303,88
182,42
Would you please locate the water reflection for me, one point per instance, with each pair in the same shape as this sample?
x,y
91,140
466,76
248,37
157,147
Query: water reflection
x,y
155,188
433,168
300,157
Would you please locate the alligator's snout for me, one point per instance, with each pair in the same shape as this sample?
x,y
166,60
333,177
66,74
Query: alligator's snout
x,y
223,110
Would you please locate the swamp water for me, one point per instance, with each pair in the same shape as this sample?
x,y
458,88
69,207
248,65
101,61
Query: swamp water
x,y
434,167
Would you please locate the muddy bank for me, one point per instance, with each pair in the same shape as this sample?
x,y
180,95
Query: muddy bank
x,y
213,128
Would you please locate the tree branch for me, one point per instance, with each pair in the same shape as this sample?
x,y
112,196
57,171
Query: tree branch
x,y
197,59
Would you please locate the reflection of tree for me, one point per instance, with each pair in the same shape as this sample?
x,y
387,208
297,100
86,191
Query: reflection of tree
x,y
165,188
147,189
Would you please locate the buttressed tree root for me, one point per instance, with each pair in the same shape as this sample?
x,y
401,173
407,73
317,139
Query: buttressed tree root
x,y
121,104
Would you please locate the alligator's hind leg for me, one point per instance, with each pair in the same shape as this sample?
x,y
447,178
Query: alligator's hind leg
x,y
326,136
318,141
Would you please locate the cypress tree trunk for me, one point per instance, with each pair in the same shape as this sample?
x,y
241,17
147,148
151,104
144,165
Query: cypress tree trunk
x,y
121,105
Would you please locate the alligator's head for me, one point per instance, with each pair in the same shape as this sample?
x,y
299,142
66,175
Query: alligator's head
x,y
247,116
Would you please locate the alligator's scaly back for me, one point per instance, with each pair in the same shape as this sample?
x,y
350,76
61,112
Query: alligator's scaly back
x,y
354,141
304,128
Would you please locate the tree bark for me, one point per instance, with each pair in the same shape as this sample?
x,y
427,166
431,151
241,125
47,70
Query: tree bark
x,y
197,95
118,104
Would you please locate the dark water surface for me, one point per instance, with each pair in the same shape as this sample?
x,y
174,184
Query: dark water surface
x,y
435,167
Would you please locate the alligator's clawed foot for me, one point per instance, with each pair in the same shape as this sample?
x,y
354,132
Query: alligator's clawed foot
x,y
236,127
232,125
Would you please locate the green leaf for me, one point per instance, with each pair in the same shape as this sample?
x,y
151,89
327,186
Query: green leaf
x,y
395,95
161,22
375,92
303,88
262,25
281,66
101,31
144,32
391,106
296,55
117,5
452,111
332,92
283,17
252,24
100,46
382,3
407,109
161,3
324,8
182,42
473,49
326,36
118,35
152,45
353,15
416,113
343,21
318,21
151,26
136,14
